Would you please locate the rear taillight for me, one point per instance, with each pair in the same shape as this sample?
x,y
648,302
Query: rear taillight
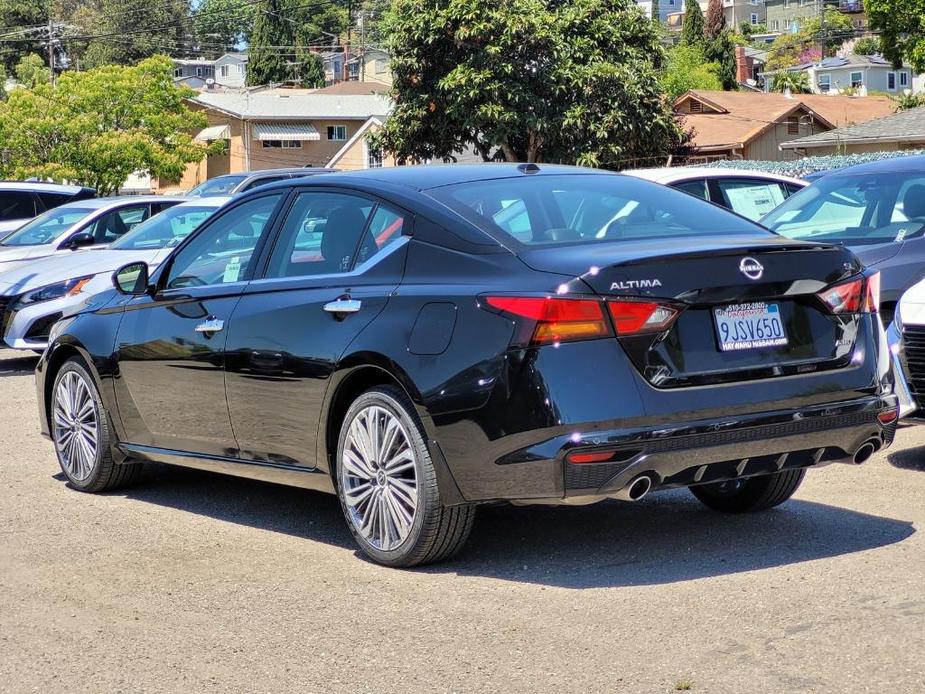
x,y
636,317
861,295
553,319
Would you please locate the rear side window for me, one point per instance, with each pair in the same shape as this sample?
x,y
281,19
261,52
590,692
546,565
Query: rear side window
x,y
568,209
16,204
52,200
697,187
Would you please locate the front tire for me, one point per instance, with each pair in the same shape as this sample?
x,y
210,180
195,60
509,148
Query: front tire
x,y
387,485
750,494
81,433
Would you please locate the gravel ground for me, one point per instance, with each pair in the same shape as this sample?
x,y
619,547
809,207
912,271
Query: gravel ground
x,y
196,582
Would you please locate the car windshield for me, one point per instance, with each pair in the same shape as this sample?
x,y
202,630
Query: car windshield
x,y
46,227
855,209
569,209
164,230
221,185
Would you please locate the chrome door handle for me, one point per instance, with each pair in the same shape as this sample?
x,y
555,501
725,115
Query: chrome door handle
x,y
343,306
213,325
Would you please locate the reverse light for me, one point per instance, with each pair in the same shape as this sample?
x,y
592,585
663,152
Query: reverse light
x,y
861,295
635,317
556,319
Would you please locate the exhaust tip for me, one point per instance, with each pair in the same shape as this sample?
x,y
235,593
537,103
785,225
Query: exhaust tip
x,y
862,454
636,489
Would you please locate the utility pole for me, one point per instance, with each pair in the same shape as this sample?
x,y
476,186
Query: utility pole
x,y
362,46
347,44
51,47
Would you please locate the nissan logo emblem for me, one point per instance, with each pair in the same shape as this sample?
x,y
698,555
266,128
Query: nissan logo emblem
x,y
751,268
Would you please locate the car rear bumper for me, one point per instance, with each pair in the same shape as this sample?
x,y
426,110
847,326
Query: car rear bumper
x,y
709,451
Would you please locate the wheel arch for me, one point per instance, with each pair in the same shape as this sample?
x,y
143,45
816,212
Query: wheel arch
x,y
356,375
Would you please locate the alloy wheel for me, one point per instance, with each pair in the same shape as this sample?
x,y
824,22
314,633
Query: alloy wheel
x,y
76,426
379,478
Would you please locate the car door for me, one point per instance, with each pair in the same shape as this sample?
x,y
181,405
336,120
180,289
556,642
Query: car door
x,y
171,344
335,262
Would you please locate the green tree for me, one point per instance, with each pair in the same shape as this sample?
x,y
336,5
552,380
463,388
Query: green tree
x,y
221,25
311,70
902,31
716,20
22,23
166,23
99,126
537,80
867,46
788,50
721,51
796,81
267,62
692,29
687,68
31,70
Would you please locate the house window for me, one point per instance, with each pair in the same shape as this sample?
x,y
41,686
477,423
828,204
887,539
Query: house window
x,y
775,25
198,71
903,79
178,72
281,144
825,83
891,81
754,19
696,107
671,2
373,158
223,71
857,80
755,2
337,132
793,125
381,66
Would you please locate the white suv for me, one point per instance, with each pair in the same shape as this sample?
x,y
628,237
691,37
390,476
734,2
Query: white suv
x,y
20,201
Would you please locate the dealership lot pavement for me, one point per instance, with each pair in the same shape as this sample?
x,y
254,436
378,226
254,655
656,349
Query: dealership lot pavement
x,y
195,582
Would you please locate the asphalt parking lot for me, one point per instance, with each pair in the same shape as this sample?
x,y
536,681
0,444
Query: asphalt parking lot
x,y
196,582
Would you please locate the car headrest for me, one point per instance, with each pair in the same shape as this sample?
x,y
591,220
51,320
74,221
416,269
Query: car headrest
x,y
914,201
341,236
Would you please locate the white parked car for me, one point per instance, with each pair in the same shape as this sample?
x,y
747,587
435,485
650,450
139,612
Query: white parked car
x,y
34,295
906,337
751,194
80,224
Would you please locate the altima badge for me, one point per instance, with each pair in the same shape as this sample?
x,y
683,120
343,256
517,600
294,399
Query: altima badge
x,y
751,268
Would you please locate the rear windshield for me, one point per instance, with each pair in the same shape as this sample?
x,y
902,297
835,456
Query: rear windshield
x,y
223,185
569,209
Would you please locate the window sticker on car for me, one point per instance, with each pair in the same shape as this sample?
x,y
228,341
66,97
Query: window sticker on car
x,y
232,270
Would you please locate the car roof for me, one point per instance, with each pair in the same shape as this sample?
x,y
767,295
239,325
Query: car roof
x,y
911,164
424,177
210,201
301,170
41,187
680,173
101,203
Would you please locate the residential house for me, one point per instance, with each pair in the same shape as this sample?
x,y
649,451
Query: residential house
x,y
270,128
861,73
737,12
357,154
752,125
333,62
372,65
227,71
901,131
665,7
788,16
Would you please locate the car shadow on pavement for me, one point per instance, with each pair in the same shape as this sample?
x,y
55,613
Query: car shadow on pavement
x,y
18,366
908,458
666,538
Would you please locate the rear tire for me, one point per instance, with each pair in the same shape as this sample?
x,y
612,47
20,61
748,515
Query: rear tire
x,y
750,494
387,485
81,432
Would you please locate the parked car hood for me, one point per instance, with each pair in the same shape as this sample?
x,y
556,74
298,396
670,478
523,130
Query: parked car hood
x,y
871,255
64,266
10,253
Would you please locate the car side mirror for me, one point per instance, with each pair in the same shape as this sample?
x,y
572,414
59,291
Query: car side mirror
x,y
80,240
131,279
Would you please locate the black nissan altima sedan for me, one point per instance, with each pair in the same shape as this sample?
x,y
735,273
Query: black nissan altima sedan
x,y
419,341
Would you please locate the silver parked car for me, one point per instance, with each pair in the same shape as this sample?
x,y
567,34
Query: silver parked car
x,y
80,224
35,294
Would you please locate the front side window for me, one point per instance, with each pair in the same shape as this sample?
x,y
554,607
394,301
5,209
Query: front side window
x,y
16,204
584,208
164,230
854,209
331,233
47,227
223,252
111,225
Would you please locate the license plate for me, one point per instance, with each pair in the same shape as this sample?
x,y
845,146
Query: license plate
x,y
749,326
